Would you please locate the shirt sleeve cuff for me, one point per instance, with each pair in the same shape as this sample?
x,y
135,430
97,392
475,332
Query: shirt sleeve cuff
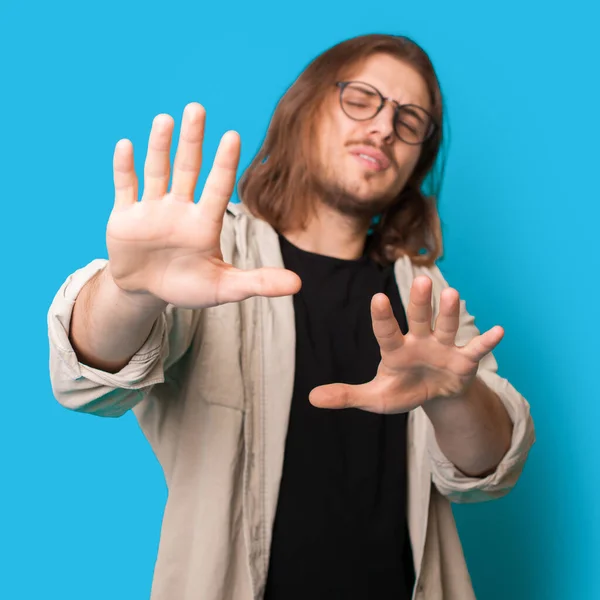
x,y
461,488
78,386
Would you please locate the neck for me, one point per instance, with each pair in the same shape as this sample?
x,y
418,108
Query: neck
x,y
331,233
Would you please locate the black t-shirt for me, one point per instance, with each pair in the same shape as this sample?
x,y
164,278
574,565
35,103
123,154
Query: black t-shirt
x,y
340,529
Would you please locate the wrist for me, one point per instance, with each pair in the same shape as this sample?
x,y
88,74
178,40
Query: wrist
x,y
468,396
144,301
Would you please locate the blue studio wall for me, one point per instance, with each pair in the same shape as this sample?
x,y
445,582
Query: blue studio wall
x,y
81,498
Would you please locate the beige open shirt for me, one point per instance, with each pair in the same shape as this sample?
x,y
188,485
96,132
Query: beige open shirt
x,y
211,390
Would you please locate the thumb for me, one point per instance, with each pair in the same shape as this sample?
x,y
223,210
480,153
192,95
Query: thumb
x,y
334,395
237,284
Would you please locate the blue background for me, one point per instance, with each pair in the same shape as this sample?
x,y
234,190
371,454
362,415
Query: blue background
x,y
81,497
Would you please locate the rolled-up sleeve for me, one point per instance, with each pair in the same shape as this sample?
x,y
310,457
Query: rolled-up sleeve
x,y
448,479
79,387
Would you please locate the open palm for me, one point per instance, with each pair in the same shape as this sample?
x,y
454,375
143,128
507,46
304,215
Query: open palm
x,y
167,245
423,365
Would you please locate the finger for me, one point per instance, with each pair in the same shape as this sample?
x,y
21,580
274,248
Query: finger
x,y
157,165
221,179
419,313
483,344
237,285
125,179
385,327
188,158
341,395
446,324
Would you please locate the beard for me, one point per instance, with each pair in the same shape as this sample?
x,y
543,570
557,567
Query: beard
x,y
349,202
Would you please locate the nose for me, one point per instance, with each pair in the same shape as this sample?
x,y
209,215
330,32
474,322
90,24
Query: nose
x,y
382,124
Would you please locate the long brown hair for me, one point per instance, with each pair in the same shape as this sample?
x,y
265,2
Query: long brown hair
x,y
280,173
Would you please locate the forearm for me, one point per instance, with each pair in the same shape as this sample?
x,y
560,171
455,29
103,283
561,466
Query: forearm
x,y
108,325
473,431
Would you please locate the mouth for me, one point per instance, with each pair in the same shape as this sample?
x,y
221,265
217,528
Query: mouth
x,y
371,158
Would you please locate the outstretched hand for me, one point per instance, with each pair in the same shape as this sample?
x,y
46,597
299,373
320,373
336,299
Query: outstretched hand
x,y
166,245
423,365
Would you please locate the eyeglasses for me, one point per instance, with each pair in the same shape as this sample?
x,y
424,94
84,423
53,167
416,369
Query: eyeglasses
x,y
361,102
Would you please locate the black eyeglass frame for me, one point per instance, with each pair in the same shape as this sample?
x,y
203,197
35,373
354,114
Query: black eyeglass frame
x,y
433,125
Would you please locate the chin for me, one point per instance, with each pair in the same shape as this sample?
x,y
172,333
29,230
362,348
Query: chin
x,y
367,193
357,196
372,187
359,204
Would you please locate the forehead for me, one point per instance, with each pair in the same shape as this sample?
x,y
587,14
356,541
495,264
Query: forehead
x,y
393,78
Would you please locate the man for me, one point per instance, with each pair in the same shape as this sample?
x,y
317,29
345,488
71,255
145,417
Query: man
x,y
315,392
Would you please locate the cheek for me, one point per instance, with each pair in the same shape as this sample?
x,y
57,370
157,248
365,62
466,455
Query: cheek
x,y
342,130
332,145
407,160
